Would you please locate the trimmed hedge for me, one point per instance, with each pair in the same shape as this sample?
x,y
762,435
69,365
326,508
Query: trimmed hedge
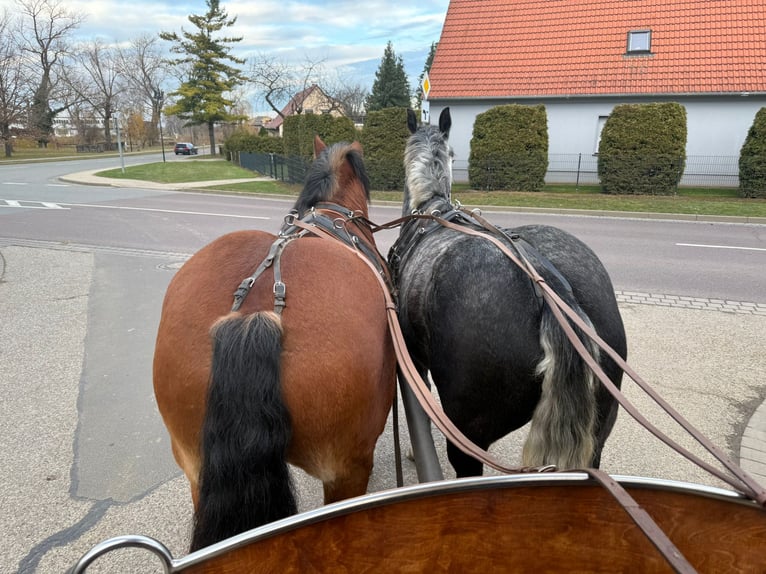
x,y
300,129
642,149
384,138
509,148
245,141
752,159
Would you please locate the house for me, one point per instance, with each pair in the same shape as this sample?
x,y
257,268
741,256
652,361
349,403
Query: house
x,y
580,58
312,100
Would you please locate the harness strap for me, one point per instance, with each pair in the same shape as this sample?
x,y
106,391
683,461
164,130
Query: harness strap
x,y
745,483
275,252
434,411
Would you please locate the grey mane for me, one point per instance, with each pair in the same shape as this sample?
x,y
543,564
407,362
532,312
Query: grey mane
x,y
427,159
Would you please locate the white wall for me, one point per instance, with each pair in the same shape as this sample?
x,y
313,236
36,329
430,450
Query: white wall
x,y
716,126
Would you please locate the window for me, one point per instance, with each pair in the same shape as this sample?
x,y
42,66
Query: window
x,y
639,41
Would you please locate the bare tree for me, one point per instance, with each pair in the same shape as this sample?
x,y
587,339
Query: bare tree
x,y
101,83
14,86
46,25
277,81
145,72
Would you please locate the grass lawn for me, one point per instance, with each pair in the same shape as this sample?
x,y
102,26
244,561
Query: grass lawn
x,y
692,201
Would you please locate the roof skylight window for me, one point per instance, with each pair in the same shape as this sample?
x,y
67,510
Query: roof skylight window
x,y
639,41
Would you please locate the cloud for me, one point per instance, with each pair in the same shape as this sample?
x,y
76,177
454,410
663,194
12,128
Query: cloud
x,y
344,34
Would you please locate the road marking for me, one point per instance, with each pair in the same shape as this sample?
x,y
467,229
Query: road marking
x,y
721,246
14,183
30,204
176,211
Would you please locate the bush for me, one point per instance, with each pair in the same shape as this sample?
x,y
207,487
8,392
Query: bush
x,y
384,137
242,140
642,149
752,159
300,129
509,148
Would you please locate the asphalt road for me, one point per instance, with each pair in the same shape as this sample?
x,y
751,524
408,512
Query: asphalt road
x,y
85,454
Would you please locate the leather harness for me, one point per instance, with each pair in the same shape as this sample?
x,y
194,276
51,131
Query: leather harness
x,y
414,227
329,217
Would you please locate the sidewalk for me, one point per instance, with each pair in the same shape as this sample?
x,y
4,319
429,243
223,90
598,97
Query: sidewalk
x,y
90,178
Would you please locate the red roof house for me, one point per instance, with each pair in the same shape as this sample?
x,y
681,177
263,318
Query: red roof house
x,y
582,57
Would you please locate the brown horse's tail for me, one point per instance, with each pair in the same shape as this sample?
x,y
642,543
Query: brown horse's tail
x,y
244,479
562,432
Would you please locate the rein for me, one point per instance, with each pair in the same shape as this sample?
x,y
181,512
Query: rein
x,y
318,226
513,247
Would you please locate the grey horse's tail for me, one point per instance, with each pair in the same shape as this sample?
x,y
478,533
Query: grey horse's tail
x,y
562,432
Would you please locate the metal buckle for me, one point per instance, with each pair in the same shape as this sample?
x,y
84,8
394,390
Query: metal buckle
x,y
279,290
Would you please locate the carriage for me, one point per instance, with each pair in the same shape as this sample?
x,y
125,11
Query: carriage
x,y
541,517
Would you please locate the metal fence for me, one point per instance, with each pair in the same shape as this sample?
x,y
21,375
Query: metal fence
x,y
582,169
577,169
287,169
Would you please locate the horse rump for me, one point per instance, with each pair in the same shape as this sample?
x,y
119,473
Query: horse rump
x,y
244,478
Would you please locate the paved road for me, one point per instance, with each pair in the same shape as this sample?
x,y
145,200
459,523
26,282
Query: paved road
x,y
71,428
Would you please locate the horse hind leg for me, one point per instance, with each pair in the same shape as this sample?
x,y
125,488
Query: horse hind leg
x,y
350,482
563,424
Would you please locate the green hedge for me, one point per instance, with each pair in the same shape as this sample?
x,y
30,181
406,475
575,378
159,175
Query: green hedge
x,y
300,129
752,159
383,138
509,148
642,149
245,141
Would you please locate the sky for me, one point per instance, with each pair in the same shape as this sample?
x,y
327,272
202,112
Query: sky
x,y
348,35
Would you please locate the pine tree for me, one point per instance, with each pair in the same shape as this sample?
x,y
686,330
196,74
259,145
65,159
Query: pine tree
x,y
426,69
391,88
201,98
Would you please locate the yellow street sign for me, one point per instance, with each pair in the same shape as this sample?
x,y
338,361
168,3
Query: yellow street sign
x,y
426,85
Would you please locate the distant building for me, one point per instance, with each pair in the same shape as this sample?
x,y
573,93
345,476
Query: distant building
x,y
312,100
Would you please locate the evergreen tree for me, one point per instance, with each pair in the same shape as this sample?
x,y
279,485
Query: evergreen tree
x,y
426,70
391,88
201,98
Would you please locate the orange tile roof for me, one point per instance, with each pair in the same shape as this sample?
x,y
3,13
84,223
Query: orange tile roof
x,y
498,48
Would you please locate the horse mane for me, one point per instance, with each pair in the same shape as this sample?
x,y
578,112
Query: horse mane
x,y
322,179
427,159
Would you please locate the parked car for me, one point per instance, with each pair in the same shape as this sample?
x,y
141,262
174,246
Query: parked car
x,y
185,149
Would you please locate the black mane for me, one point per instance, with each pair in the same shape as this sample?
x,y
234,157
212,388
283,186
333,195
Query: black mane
x,y
321,179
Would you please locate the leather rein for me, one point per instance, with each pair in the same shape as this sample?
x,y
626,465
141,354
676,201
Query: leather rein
x,y
472,223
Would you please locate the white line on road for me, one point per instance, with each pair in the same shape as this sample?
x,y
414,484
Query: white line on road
x,y
14,183
180,212
30,204
721,246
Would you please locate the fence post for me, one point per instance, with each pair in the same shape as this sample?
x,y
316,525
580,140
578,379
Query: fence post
x,y
579,163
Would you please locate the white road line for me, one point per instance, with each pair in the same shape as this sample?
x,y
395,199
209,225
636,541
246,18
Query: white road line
x,y
180,212
30,204
14,183
721,246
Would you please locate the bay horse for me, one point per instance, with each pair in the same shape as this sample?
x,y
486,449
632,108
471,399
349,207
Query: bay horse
x,y
474,319
245,392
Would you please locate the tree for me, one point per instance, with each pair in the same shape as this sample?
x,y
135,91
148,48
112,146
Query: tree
x,y
14,87
46,25
752,159
426,69
391,88
201,99
100,83
143,68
